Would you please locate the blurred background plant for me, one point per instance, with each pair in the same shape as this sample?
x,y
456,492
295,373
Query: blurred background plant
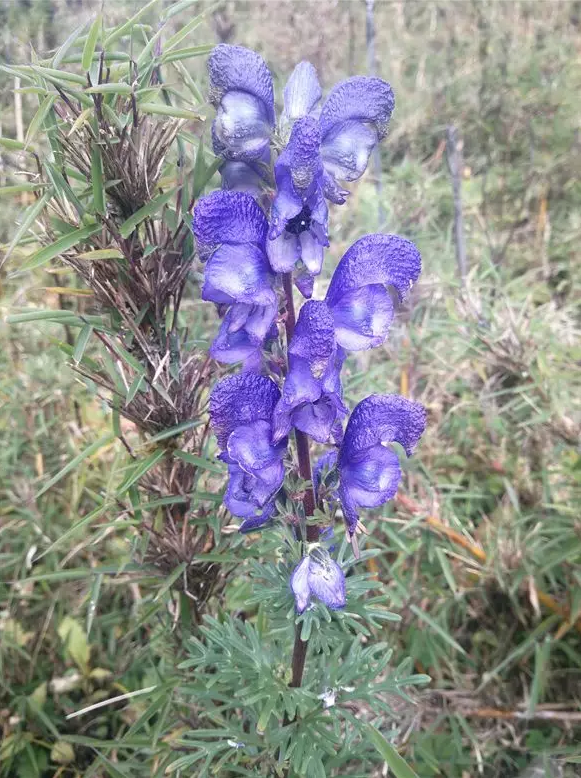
x,y
481,551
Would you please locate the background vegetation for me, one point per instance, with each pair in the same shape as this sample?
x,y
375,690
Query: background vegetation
x,y
481,550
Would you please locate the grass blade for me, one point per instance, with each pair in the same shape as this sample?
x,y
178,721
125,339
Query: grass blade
x,y
61,245
394,761
91,42
74,463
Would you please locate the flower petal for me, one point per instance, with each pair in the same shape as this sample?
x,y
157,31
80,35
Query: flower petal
x,y
305,283
311,252
326,580
346,149
241,177
240,272
362,99
228,217
299,584
302,92
232,347
383,418
241,129
250,446
241,399
283,252
255,522
363,317
372,479
376,259
235,68
316,419
323,465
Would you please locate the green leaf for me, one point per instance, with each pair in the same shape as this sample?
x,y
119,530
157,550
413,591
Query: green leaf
x,y
125,29
38,118
173,431
76,644
169,110
17,188
92,449
143,213
67,45
81,344
187,53
209,172
91,42
117,88
394,761
11,144
205,464
97,179
179,36
437,628
65,243
139,470
99,254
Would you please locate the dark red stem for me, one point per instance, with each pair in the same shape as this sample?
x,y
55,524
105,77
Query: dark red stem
x,y
304,457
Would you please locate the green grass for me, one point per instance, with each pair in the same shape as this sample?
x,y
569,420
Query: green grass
x,y
496,364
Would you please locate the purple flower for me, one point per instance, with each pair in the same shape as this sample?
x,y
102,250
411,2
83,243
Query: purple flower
x,y
241,408
353,120
242,93
311,396
361,305
369,471
299,216
301,93
320,576
230,229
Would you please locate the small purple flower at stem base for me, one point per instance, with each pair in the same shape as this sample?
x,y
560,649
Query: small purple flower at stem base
x,y
369,471
241,408
317,575
358,297
311,397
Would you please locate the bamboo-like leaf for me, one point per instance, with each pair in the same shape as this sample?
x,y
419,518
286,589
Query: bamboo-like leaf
x,y
139,470
188,81
177,430
6,191
81,344
91,42
205,464
169,110
74,463
52,75
67,45
97,179
11,144
118,88
209,172
30,216
126,28
394,761
177,8
148,210
93,256
187,53
47,253
179,36
63,188
38,118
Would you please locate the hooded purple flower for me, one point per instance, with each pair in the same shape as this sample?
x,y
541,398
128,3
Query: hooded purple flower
x,y
353,119
361,305
242,93
320,576
230,229
311,396
369,470
241,408
299,216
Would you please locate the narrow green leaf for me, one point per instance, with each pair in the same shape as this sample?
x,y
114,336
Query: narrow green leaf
x,y
117,88
134,388
67,45
394,761
169,110
179,36
211,169
143,213
178,8
17,188
52,75
11,144
169,582
91,42
126,28
82,339
99,254
173,431
74,463
139,470
187,53
97,179
205,464
65,243
30,216
93,600
437,628
81,524
63,188
38,118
